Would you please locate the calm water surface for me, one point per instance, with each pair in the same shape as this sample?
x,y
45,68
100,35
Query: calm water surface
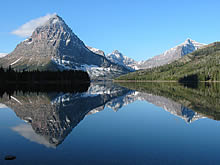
x,y
109,124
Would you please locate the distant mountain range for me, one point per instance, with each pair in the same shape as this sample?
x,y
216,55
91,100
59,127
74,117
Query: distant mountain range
x,y
167,57
53,46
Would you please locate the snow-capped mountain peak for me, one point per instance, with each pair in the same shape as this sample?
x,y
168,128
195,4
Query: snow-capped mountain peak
x,y
191,42
116,52
118,58
175,53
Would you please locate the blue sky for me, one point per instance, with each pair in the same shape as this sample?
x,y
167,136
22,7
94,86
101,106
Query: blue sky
x,y
139,29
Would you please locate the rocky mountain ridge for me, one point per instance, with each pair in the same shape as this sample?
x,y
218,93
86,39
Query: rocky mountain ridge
x,y
172,54
175,53
118,58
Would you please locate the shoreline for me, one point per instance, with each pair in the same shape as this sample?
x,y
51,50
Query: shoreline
x,y
164,81
142,81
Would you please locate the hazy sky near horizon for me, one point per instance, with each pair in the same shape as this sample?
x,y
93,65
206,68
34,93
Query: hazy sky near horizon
x,y
139,29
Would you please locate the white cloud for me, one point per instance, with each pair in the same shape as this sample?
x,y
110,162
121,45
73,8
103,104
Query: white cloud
x,y
3,106
3,55
27,29
27,132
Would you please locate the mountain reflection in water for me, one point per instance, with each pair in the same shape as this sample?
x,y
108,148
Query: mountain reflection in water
x,y
51,116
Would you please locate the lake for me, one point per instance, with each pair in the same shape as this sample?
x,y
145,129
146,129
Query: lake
x,y
122,124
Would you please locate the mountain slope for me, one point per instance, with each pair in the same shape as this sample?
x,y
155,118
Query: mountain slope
x,y
201,65
171,55
119,58
54,46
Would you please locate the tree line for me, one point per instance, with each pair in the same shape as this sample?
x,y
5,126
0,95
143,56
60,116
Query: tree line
x,y
10,75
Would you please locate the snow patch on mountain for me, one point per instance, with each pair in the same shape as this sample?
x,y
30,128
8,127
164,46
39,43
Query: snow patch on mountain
x,y
16,61
118,58
94,71
96,51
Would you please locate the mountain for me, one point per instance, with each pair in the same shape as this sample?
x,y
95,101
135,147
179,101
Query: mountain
x,y
171,55
120,59
167,57
53,46
201,65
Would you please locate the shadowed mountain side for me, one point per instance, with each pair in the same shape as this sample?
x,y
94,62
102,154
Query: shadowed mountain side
x,y
204,99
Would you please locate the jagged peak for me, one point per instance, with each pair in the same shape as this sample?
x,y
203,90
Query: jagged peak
x,y
54,19
54,24
190,41
116,52
119,55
